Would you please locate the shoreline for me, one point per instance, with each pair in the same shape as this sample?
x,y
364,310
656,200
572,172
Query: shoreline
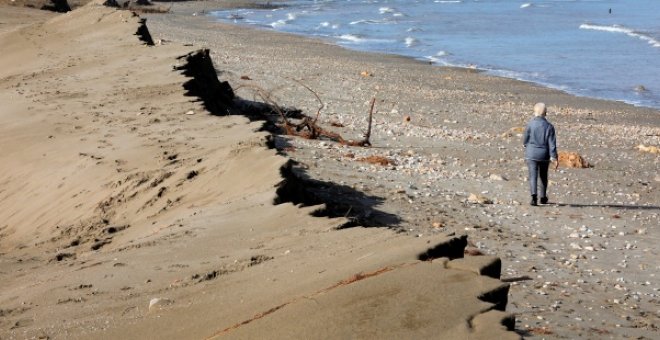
x,y
194,8
424,60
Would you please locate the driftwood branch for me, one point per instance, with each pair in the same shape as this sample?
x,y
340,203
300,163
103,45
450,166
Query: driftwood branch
x,y
307,127
366,142
318,98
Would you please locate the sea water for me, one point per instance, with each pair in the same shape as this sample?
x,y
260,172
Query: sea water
x,y
606,49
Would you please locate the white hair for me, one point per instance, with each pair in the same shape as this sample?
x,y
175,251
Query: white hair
x,y
539,110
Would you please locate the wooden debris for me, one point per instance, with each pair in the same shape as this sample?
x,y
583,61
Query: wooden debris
x,y
378,160
516,278
307,127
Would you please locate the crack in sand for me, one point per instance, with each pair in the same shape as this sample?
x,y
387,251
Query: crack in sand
x,y
355,278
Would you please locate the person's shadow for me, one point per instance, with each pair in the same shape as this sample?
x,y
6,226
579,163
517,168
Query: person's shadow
x,y
612,206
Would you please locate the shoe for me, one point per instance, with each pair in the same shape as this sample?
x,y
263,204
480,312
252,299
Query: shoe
x,y
544,200
533,202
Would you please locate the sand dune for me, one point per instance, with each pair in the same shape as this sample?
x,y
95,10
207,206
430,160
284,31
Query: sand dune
x,y
128,210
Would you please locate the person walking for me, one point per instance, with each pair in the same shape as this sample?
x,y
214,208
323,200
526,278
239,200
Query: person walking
x,y
540,149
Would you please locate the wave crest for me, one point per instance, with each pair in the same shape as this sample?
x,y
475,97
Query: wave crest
x,y
624,30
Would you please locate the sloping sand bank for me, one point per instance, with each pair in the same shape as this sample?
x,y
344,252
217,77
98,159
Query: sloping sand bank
x,y
127,210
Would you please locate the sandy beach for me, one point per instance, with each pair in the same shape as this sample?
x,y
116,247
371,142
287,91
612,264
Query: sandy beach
x,y
133,206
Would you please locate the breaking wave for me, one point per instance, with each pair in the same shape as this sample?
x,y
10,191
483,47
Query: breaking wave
x,y
623,30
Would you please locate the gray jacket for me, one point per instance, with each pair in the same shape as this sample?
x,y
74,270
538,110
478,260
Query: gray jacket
x,y
539,140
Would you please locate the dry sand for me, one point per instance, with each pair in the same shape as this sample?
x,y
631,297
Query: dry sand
x,y
129,211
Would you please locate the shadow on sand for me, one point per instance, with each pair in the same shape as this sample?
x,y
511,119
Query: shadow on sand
x,y
339,200
297,186
610,206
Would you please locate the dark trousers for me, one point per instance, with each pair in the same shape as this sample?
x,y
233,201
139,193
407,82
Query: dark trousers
x,y
538,169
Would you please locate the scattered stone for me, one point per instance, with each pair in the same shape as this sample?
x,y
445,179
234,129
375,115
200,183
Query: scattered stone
x,y
378,160
479,199
649,149
495,177
514,131
159,303
472,251
572,160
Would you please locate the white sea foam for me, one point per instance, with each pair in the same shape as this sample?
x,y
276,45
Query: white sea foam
x,y
384,10
439,58
410,42
510,74
359,39
389,10
448,1
443,62
283,22
526,5
368,21
434,60
625,30
326,24
353,38
278,23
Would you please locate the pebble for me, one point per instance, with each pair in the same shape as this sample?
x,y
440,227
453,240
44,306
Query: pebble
x,y
159,303
479,199
496,177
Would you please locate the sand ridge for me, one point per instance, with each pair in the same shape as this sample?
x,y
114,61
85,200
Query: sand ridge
x,y
127,210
